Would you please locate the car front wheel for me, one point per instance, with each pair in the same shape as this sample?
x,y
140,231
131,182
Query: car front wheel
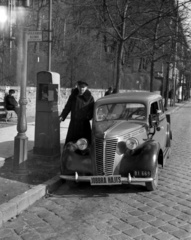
x,y
151,186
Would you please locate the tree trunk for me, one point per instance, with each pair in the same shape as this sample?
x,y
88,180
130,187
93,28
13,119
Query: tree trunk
x,y
39,28
167,87
119,65
152,74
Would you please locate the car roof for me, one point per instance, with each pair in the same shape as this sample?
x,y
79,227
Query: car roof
x,y
133,96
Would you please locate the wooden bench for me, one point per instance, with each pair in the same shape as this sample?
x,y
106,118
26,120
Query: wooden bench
x,y
6,114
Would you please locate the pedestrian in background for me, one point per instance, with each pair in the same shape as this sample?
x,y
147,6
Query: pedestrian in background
x,y
80,104
114,90
171,96
10,102
109,91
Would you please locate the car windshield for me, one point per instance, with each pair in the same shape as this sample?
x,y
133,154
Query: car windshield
x,y
121,111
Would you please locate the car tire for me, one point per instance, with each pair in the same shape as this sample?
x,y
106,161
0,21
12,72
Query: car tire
x,y
169,152
169,145
151,186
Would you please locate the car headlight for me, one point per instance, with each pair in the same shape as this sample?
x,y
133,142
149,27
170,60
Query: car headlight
x,y
82,143
121,148
132,143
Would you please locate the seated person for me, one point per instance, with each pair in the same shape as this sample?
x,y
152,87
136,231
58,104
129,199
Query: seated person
x,y
10,102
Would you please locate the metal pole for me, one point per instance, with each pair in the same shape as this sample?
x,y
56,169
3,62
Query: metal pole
x,y
50,35
21,140
11,3
2,71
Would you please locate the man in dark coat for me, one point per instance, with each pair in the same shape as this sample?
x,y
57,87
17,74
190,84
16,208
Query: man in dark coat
x,y
10,101
80,104
109,91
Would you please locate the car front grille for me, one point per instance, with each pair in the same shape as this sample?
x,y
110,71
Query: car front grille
x,y
105,155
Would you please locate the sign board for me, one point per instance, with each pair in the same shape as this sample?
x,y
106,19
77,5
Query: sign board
x,y
34,36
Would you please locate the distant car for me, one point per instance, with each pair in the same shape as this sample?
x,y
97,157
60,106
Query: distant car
x,y
131,136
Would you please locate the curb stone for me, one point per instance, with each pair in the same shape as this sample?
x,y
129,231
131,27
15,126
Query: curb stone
x,y
20,203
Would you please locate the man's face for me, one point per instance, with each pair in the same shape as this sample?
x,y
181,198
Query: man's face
x,y
82,89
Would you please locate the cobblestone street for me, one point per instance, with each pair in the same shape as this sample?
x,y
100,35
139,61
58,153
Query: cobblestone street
x,y
82,212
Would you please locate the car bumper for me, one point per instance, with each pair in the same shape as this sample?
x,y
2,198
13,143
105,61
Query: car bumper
x,y
124,180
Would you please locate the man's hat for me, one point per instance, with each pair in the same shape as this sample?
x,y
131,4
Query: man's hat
x,y
82,84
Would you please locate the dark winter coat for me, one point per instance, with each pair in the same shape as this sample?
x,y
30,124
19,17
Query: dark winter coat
x,y
81,108
10,102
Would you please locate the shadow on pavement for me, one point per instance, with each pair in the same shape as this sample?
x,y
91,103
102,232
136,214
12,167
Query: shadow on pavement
x,y
13,121
39,169
7,148
85,190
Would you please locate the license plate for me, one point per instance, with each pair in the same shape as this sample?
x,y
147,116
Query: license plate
x,y
142,173
106,180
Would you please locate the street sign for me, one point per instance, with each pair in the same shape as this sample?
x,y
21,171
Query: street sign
x,y
34,36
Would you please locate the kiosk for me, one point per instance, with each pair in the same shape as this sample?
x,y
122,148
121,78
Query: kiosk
x,y
47,125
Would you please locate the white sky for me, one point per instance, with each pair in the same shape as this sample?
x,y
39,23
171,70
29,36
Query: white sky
x,y
185,6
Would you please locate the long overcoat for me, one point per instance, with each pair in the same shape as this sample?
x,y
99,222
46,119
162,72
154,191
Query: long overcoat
x,y
81,109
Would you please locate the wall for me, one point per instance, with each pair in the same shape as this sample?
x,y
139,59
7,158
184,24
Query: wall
x,y
31,96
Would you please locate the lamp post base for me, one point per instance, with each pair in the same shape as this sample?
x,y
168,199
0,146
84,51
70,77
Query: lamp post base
x,y
20,154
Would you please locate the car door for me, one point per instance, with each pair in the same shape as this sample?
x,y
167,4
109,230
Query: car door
x,y
160,135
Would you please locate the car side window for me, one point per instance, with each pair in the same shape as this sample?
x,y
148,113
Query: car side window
x,y
161,106
154,107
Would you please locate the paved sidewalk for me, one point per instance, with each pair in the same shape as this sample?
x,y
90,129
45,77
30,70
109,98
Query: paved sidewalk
x,y
17,192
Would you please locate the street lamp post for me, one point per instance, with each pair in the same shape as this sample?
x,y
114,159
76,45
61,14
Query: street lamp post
x,y
3,20
50,35
21,140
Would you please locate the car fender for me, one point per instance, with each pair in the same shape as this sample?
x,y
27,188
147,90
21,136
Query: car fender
x,y
72,162
144,157
168,136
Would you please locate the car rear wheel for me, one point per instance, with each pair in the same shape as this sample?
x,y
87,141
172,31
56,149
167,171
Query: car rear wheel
x,y
169,152
169,145
151,186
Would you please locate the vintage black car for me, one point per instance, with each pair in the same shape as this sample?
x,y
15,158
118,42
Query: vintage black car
x,y
131,136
